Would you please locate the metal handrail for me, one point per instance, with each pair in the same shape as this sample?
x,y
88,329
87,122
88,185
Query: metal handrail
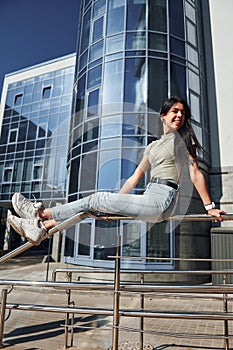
x,y
119,287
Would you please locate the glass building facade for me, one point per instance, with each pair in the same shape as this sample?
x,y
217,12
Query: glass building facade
x,y
132,55
35,119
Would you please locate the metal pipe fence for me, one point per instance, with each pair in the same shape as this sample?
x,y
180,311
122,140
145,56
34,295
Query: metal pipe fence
x,y
118,289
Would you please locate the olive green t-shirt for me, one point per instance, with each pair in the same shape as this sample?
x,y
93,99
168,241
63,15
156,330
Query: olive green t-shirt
x,y
164,163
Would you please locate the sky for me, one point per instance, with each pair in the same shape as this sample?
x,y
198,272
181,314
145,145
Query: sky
x,y
34,31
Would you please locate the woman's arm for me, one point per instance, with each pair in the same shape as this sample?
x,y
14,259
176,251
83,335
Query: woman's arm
x,y
199,182
133,180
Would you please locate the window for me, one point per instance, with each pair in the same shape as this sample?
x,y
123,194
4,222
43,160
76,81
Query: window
x,y
41,130
94,76
18,99
8,172
98,29
116,16
46,92
37,171
93,103
13,135
131,239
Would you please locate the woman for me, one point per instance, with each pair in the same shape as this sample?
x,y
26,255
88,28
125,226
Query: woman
x,y
165,157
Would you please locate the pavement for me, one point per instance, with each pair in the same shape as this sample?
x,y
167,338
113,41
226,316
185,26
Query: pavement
x,y
32,330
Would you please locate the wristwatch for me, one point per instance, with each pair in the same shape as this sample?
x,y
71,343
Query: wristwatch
x,y
209,206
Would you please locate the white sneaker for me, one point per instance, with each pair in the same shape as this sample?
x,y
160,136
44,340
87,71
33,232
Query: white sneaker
x,y
32,229
25,208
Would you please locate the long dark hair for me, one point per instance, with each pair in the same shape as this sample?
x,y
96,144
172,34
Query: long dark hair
x,y
186,132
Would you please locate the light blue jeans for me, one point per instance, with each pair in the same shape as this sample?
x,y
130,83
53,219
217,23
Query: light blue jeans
x,y
152,206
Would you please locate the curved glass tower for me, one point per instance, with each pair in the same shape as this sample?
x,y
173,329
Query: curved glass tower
x,y
132,55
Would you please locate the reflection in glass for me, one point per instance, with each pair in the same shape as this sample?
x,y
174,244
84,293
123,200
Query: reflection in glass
x,y
158,86
94,77
110,143
158,15
109,163
111,126
131,239
157,42
134,124
97,29
136,41
114,44
135,89
96,51
113,73
84,239
99,7
115,16
105,244
85,30
178,80
159,241
136,11
93,103
177,47
88,172
176,15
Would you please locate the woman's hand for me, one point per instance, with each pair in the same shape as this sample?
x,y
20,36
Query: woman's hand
x,y
216,213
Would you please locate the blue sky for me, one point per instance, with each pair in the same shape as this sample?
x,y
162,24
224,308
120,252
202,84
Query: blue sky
x,y
34,31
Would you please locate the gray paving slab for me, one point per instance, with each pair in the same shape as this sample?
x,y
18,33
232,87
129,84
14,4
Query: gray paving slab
x,y
30,330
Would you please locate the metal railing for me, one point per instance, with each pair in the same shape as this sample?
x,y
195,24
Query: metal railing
x,y
118,288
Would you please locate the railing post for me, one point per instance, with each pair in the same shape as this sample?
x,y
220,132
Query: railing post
x,y
69,323
116,302
2,316
225,309
141,340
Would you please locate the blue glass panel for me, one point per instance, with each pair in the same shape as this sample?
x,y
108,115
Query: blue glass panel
x,y
91,130
158,86
176,18
98,29
111,126
96,51
157,42
158,15
136,41
135,89
99,7
177,47
83,60
81,93
114,44
37,92
115,16
85,30
88,172
134,124
93,103
133,141
113,80
109,163
94,76
136,13
128,163
178,80
110,143
131,157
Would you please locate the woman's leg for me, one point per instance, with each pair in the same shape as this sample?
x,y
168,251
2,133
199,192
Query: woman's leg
x,y
149,206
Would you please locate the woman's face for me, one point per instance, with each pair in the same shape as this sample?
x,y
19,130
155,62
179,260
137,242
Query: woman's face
x,y
174,119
